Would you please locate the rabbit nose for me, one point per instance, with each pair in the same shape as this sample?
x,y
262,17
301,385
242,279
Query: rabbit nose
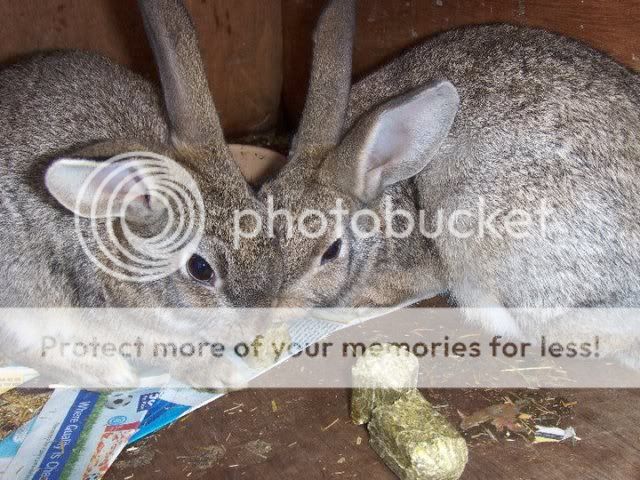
x,y
287,301
252,298
255,291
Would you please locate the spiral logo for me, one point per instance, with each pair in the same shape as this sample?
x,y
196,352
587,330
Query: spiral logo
x,y
154,216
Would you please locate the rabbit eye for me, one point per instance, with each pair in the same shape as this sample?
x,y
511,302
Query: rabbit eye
x,y
332,252
200,269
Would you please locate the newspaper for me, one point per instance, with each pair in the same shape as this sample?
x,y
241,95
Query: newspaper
x,y
78,434
13,376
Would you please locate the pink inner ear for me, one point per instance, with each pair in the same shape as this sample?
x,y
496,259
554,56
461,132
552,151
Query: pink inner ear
x,y
124,180
390,138
116,185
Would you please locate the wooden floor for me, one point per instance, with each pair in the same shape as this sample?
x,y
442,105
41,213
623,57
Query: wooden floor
x,y
307,434
282,434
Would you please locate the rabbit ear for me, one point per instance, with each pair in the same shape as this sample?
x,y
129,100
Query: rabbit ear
x,y
188,101
395,141
95,189
330,83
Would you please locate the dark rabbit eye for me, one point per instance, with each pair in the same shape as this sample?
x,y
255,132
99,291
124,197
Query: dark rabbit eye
x,y
200,269
332,252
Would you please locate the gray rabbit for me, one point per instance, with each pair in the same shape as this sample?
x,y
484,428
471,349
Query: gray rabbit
x,y
62,114
514,118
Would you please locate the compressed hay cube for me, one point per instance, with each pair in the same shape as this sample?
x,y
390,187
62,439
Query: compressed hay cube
x,y
382,375
417,442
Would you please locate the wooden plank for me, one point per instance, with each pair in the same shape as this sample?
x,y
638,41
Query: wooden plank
x,y
385,27
309,433
241,43
305,442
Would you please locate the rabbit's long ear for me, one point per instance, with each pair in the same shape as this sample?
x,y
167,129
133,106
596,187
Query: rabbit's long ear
x,y
188,101
97,189
324,112
394,142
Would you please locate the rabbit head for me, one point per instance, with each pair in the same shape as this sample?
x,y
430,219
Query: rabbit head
x,y
350,259
168,207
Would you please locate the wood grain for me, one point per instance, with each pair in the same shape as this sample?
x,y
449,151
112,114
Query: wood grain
x,y
385,27
305,443
311,437
241,42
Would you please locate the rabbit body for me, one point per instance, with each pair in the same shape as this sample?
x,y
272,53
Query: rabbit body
x,y
61,115
541,118
510,119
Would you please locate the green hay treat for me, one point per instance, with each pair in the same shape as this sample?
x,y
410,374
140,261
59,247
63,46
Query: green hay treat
x,y
417,442
382,375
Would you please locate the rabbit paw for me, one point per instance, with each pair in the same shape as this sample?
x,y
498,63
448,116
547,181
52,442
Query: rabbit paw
x,y
222,373
90,373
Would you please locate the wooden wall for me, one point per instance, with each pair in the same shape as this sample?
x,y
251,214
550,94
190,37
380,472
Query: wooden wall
x,y
387,26
257,51
241,41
